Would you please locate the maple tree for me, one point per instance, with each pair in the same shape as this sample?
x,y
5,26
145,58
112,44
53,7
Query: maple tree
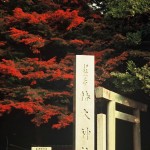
x,y
38,44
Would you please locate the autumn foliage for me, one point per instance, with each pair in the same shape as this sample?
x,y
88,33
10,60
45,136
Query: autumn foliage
x,y
39,41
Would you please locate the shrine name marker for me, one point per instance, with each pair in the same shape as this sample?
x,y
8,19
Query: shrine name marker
x,y
84,103
41,148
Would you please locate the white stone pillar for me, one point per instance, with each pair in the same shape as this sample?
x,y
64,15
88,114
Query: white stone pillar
x,y
84,103
101,132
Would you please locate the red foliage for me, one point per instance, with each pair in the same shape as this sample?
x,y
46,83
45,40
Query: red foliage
x,y
96,16
27,107
17,34
61,15
33,82
32,18
35,41
7,67
65,121
68,76
5,107
41,83
48,17
76,21
46,114
77,42
72,1
59,94
114,61
2,43
65,1
36,75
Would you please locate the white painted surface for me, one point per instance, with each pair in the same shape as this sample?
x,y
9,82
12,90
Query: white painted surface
x,y
84,103
101,132
41,148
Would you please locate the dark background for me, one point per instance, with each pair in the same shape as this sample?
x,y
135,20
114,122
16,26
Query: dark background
x,y
18,133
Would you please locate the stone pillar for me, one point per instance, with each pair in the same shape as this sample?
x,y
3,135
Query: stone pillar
x,y
84,103
101,132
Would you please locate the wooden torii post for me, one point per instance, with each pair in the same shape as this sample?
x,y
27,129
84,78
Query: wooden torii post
x,y
112,114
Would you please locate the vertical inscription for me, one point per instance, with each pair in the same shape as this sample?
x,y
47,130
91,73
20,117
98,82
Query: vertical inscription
x,y
84,103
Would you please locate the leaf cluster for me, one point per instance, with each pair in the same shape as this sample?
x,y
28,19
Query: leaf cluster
x,y
135,78
39,41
